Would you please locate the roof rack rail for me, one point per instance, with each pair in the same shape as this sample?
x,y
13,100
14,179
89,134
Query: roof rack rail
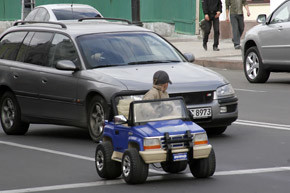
x,y
43,22
104,18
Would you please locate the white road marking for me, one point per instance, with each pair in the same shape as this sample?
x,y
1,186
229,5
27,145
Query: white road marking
x,y
247,90
121,181
263,124
47,151
160,173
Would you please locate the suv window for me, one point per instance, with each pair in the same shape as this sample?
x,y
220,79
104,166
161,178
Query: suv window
x,y
282,14
36,52
74,13
62,48
10,45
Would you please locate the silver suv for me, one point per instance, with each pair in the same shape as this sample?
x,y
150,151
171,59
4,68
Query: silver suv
x,y
266,46
67,74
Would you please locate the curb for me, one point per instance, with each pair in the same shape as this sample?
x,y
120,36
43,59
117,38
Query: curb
x,y
225,64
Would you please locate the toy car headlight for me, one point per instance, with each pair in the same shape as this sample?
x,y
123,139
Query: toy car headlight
x,y
225,90
200,139
151,143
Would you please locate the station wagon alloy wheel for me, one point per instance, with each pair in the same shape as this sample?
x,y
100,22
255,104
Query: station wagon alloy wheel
x,y
11,116
8,113
97,120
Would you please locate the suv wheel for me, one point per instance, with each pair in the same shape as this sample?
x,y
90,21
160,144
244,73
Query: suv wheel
x,y
174,167
97,114
253,67
105,166
134,169
203,168
11,116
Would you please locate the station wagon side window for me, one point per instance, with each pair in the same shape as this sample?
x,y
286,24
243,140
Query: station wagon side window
x,y
10,45
282,14
62,48
37,51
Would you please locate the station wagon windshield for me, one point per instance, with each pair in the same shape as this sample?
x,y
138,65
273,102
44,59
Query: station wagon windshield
x,y
159,110
103,50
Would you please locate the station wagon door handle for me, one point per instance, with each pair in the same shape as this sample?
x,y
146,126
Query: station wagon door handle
x,y
15,76
280,28
44,81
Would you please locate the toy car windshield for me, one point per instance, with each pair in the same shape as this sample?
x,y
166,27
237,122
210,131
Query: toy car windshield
x,y
158,110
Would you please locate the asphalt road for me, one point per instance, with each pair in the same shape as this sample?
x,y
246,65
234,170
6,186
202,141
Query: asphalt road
x,y
253,155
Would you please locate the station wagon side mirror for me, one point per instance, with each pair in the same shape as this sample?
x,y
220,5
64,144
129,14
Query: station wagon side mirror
x,y
66,65
262,18
190,57
120,119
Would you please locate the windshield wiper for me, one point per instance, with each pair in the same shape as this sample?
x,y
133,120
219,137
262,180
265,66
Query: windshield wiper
x,y
105,65
153,62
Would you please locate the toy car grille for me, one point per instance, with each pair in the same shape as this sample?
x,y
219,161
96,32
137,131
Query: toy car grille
x,y
174,145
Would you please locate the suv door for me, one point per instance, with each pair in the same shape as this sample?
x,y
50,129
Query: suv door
x,y
58,87
274,37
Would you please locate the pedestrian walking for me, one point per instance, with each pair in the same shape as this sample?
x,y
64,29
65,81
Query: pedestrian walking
x,y
160,85
212,10
234,8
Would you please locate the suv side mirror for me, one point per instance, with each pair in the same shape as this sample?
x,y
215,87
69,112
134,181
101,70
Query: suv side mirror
x,y
190,57
120,119
262,18
66,65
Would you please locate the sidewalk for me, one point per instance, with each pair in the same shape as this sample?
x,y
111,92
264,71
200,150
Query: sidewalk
x,y
227,57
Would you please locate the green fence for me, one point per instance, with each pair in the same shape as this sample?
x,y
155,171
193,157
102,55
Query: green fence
x,y
178,12
10,10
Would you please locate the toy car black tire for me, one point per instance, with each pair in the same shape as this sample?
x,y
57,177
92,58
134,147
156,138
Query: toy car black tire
x,y
203,168
105,166
134,169
174,167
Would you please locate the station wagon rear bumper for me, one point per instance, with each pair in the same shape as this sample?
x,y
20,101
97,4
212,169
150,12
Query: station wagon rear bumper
x,y
156,156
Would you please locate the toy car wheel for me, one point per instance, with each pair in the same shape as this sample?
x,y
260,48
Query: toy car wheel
x,y
105,166
134,169
253,67
11,116
203,168
174,167
97,114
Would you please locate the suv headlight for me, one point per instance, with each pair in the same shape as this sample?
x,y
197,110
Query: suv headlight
x,y
225,90
151,143
200,139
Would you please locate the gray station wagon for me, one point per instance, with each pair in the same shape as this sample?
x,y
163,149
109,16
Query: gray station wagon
x,y
66,74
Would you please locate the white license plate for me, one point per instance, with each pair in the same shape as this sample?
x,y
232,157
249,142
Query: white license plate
x,y
179,156
201,113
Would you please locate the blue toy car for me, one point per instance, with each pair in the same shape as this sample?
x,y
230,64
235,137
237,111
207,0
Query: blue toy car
x,y
152,131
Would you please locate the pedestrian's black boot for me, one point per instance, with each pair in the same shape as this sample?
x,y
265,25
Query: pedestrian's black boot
x,y
216,49
204,46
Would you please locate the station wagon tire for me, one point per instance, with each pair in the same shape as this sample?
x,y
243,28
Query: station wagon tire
x,y
134,169
97,114
216,130
11,115
174,167
203,168
105,166
254,68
